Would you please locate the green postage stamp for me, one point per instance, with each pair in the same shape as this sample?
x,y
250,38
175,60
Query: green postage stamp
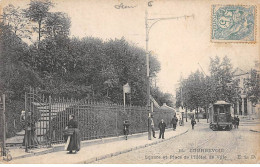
x,y
233,23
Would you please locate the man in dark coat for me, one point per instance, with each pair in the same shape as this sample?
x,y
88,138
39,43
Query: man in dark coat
x,y
193,122
174,122
237,121
126,125
234,122
162,126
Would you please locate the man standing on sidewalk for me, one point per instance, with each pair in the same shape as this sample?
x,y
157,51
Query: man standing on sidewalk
x,y
162,126
126,125
174,122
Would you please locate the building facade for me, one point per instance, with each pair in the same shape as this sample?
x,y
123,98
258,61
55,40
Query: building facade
x,y
243,105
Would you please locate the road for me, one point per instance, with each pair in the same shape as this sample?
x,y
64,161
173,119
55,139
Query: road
x,y
201,145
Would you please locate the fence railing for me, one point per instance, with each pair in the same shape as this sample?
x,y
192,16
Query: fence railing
x,y
2,125
95,119
99,120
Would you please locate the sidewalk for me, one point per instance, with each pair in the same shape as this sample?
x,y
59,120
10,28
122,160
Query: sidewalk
x,y
92,150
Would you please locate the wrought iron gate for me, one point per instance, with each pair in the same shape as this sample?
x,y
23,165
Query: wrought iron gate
x,y
35,119
39,113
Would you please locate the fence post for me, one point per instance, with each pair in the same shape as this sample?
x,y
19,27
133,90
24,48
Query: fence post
x,y
1,123
50,123
26,123
4,135
116,123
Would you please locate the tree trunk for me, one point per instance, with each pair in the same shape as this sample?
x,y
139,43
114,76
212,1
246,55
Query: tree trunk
x,y
198,114
207,114
186,114
39,29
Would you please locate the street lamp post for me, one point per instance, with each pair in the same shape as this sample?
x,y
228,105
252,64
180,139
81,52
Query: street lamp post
x,y
126,89
149,23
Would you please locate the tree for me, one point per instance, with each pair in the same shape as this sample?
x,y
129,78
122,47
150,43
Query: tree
x,y
191,92
70,67
224,87
179,100
75,67
15,18
161,97
37,12
252,86
199,90
57,24
15,74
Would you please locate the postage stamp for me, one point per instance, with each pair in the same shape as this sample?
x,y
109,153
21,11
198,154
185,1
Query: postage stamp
x,y
233,23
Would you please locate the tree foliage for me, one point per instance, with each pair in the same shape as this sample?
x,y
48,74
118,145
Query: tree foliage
x,y
15,75
37,12
15,18
71,67
59,65
252,86
199,90
162,97
57,24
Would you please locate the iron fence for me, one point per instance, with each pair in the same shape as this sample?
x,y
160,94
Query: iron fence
x,y
47,117
2,126
99,120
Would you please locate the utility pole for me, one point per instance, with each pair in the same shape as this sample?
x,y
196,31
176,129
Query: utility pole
x,y
149,23
148,75
207,107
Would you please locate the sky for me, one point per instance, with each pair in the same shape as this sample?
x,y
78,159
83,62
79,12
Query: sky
x,y
181,45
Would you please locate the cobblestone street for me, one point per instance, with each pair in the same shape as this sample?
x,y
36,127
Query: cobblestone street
x,y
201,145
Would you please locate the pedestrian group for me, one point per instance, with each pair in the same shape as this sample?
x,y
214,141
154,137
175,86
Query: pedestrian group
x,y
236,122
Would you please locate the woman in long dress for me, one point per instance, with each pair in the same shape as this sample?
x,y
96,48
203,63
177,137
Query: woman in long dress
x,y
30,137
73,141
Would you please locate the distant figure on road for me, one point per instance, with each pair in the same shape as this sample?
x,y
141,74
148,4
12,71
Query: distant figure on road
x,y
174,122
181,122
73,138
193,122
162,126
234,121
237,122
126,128
152,126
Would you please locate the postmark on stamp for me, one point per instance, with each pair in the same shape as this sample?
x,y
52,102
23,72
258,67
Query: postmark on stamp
x,y
233,23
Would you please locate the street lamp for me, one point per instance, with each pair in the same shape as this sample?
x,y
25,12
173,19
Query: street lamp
x,y
149,23
126,89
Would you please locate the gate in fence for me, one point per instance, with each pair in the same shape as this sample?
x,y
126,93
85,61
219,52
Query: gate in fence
x,y
47,117
2,126
40,111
